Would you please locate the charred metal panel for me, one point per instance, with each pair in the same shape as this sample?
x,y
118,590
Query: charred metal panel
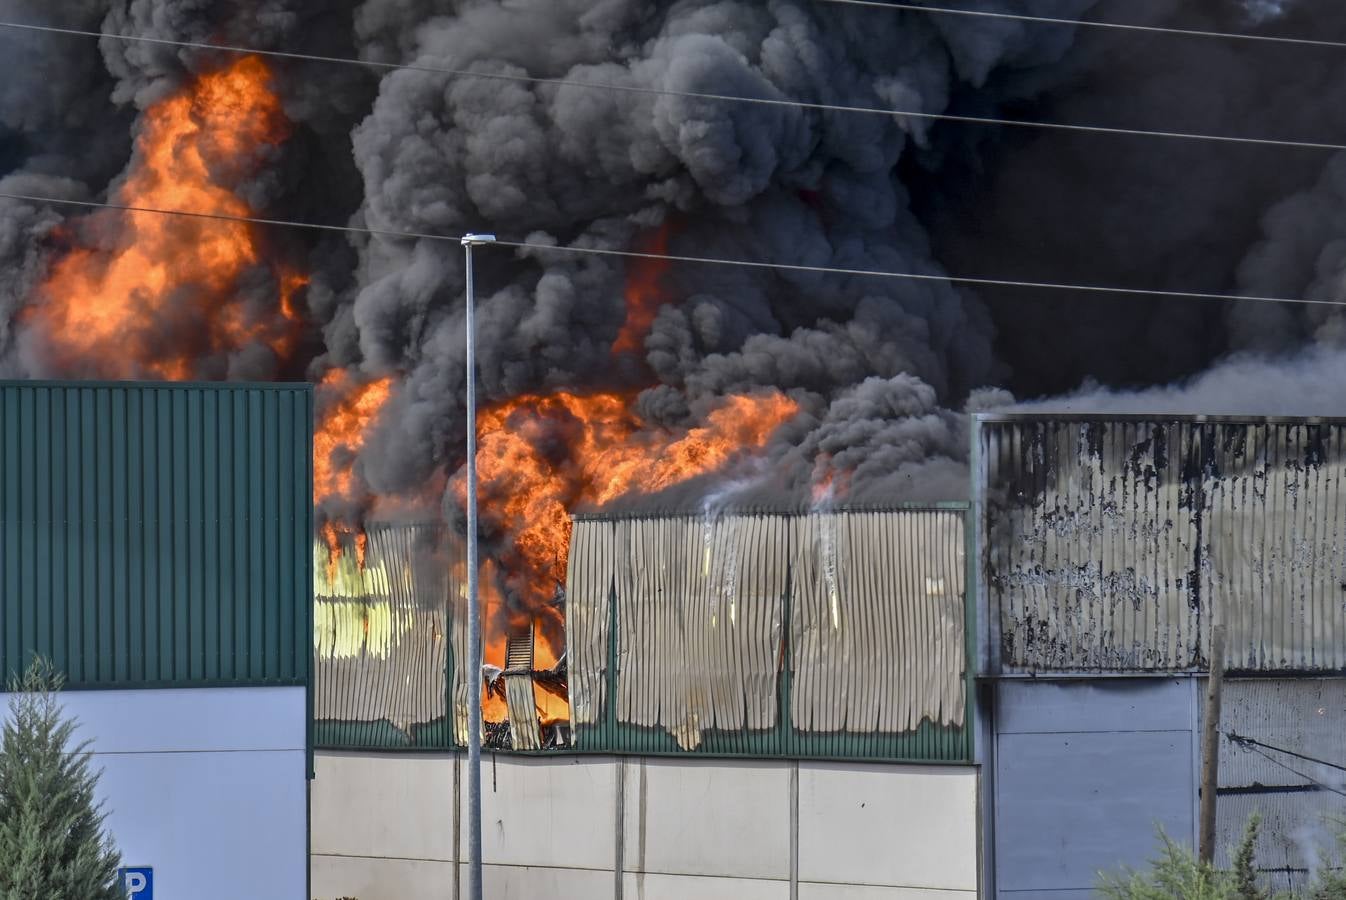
x,y
1111,543
521,693
381,640
1296,797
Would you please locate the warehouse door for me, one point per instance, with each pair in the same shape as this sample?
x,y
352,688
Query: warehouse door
x,y
1085,771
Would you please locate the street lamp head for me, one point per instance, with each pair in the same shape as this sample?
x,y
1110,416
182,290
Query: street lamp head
x,y
472,240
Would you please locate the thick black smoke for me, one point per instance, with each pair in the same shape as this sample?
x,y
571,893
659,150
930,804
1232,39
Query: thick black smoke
x,y
883,368
574,166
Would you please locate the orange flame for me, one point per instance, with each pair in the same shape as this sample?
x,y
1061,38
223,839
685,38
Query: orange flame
x,y
643,297
161,292
341,430
337,438
541,456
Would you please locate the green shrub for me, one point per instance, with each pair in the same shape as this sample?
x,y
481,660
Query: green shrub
x,y
52,842
1177,875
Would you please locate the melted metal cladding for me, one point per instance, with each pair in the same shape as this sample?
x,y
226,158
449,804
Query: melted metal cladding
x,y
867,606
380,639
1112,542
385,643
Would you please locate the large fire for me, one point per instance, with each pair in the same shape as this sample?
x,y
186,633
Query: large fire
x,y
157,295
176,297
541,456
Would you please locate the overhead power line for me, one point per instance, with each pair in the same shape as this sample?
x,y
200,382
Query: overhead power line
x,y
1246,742
701,260
1094,23
1256,747
694,95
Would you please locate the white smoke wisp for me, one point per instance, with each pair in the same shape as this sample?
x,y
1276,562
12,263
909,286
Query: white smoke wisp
x,y
1310,382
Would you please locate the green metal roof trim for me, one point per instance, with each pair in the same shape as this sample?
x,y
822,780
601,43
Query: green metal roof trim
x,y
157,534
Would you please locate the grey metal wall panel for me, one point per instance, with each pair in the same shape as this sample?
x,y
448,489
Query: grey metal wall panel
x,y
1044,707
1296,797
154,534
1298,833
1112,542
1085,793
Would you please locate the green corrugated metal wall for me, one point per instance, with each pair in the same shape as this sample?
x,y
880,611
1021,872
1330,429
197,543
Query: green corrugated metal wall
x,y
157,534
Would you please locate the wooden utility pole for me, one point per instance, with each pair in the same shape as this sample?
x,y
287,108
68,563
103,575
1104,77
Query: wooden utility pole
x,y
1210,745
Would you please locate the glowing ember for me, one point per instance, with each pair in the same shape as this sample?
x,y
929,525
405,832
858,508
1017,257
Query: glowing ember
x,y
643,297
161,293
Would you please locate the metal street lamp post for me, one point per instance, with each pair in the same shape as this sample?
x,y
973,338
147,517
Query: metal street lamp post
x,y
473,603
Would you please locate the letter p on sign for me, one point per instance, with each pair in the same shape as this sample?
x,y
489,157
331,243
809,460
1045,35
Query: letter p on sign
x,y
138,883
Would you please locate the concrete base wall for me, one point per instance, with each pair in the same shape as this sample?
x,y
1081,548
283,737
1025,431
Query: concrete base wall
x,y
563,827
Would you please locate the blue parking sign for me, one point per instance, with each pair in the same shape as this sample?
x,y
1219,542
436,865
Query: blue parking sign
x,y
138,883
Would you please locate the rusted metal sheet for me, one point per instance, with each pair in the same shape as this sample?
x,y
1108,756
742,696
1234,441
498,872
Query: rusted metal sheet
x,y
380,642
1112,542
874,601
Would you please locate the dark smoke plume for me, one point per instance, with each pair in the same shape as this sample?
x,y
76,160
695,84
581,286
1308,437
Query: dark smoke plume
x,y
883,368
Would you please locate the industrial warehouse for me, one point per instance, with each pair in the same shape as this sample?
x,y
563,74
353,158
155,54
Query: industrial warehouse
x,y
673,450
798,685
154,549
994,698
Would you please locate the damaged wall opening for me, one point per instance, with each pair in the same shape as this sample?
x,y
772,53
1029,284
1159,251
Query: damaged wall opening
x,y
838,633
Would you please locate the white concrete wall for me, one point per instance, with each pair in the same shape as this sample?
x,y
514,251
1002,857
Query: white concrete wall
x,y
206,786
383,828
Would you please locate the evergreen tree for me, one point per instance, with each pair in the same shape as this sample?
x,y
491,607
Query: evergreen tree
x,y
1245,866
52,842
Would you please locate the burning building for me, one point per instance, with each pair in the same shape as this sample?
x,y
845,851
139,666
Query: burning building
x,y
264,214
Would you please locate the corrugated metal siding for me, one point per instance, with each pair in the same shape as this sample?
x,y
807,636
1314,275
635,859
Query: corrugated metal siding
x,y
1110,542
155,534
590,574
874,664
1295,797
877,621
381,640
